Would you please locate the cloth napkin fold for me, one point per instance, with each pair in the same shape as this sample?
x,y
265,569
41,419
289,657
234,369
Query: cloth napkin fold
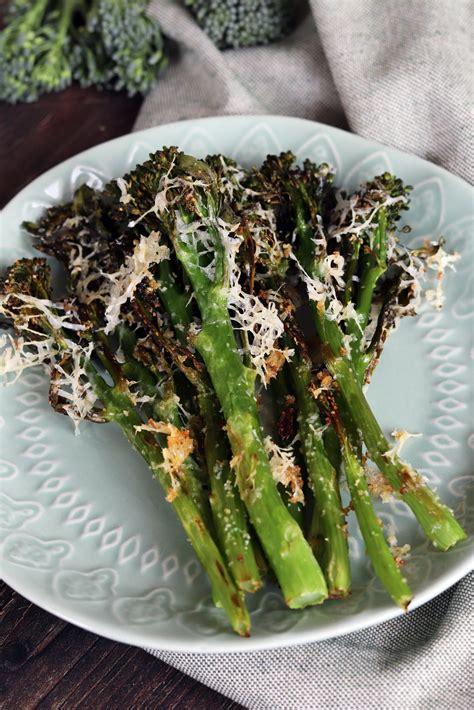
x,y
422,660
399,73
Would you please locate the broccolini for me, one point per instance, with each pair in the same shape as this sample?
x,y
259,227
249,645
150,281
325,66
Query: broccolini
x,y
186,279
47,44
244,23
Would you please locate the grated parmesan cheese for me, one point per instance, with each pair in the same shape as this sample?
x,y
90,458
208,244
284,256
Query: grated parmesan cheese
x,y
284,469
41,306
400,553
179,446
147,252
378,485
401,437
72,385
18,354
123,186
439,262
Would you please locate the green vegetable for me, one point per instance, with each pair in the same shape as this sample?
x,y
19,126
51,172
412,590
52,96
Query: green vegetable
x,y
246,23
436,519
328,534
331,541
119,47
25,301
193,285
379,552
47,44
35,51
289,554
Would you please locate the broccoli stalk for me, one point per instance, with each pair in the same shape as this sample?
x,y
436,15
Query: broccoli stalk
x,y
378,551
145,362
328,532
436,519
228,511
225,593
227,507
25,301
330,541
284,431
289,554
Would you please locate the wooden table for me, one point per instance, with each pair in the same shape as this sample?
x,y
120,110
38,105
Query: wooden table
x,y
45,662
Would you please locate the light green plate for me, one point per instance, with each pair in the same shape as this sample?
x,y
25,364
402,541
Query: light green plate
x,y
85,531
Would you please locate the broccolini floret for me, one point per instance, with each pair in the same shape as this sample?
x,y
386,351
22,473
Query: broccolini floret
x,y
243,23
47,44
119,47
34,50
187,281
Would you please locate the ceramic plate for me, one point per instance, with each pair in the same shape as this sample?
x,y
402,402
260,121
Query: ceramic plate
x,y
85,531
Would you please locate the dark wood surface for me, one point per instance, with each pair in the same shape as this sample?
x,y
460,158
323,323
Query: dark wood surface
x,y
46,662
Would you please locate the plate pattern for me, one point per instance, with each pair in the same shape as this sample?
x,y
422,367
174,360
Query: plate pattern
x,y
83,530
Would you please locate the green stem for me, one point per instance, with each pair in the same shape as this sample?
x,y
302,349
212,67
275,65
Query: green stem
x,y
374,264
370,526
290,556
166,410
32,20
437,521
351,272
175,301
225,593
163,407
328,517
228,510
279,391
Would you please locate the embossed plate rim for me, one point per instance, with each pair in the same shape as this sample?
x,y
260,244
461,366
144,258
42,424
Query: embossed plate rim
x,y
329,628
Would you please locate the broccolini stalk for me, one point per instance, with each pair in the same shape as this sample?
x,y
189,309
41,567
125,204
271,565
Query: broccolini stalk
x,y
367,221
77,234
328,529
34,51
163,406
228,511
289,554
26,303
374,264
227,507
331,545
120,409
436,519
284,433
225,593
378,551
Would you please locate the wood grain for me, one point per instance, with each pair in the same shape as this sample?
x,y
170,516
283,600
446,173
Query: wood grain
x,y
35,137
46,662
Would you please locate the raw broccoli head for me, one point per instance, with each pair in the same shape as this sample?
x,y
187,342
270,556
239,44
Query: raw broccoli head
x,y
243,23
119,47
34,51
46,44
